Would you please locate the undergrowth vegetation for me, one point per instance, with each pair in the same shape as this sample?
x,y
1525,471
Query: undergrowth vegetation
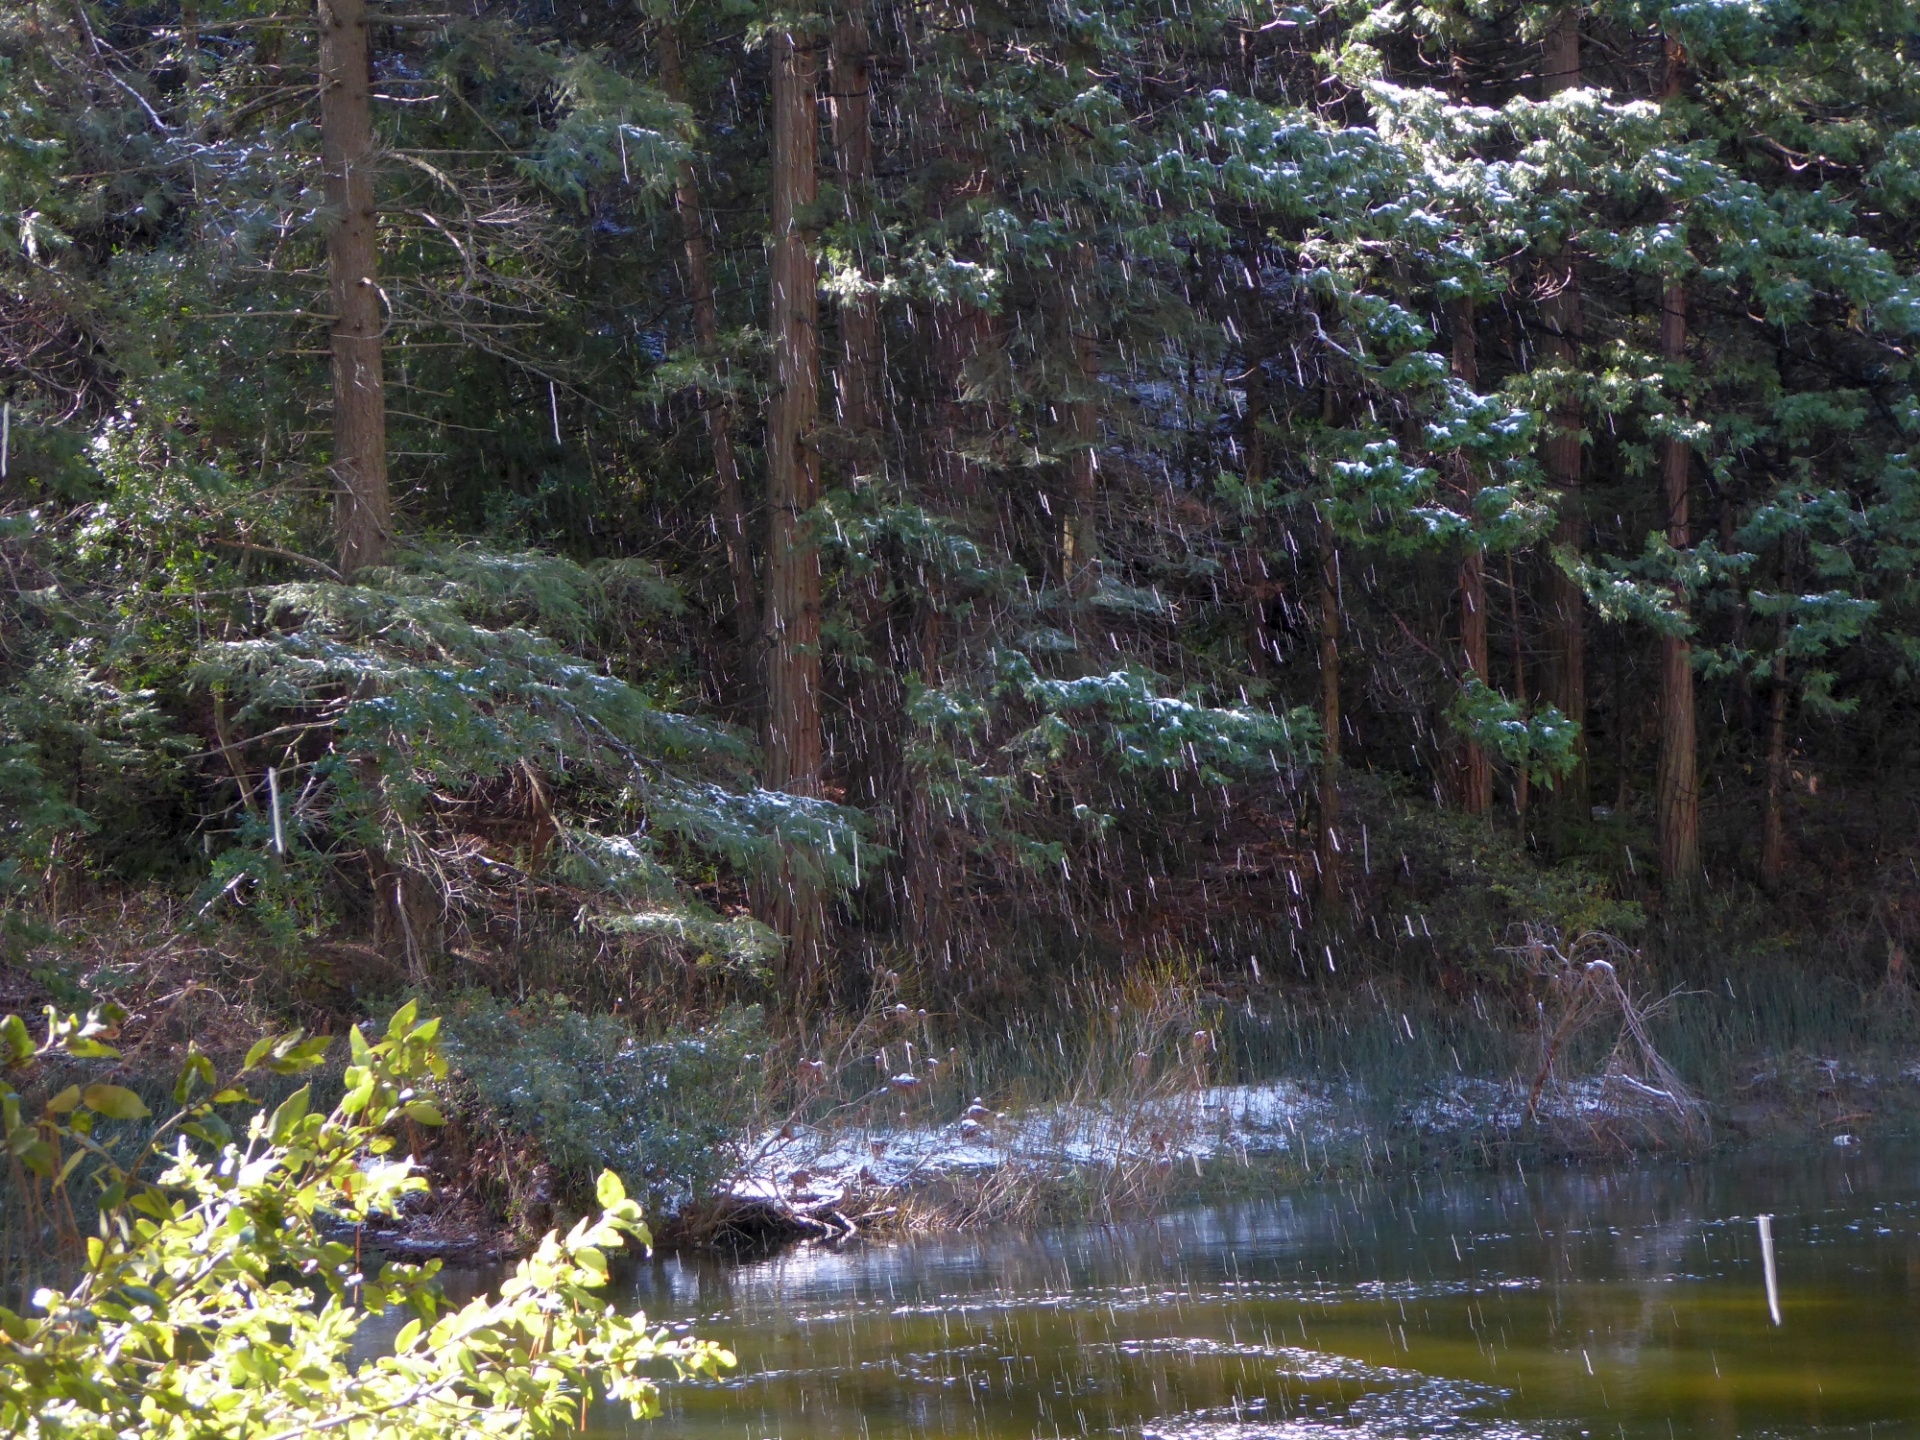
x,y
670,1113
222,1290
683,1097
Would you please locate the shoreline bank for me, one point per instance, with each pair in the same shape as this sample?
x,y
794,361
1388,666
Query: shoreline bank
x,y
918,1173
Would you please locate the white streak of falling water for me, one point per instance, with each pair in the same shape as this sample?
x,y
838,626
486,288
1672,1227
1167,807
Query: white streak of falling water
x,y
1766,1261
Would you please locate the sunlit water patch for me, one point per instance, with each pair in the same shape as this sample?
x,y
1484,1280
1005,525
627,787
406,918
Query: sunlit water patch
x,y
1572,1304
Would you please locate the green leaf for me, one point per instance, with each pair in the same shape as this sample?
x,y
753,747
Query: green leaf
x,y
359,1094
115,1102
362,1052
212,1129
402,1020
608,1190
258,1051
195,1072
424,1112
295,1056
64,1101
15,1042
291,1112
146,1295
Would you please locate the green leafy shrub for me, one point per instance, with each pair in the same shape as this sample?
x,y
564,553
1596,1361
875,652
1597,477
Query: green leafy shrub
x,y
424,690
666,1114
1451,886
221,1299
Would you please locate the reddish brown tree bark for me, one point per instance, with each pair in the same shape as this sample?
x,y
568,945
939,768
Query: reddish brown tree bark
x,y
1563,316
875,692
1080,538
791,901
1327,799
1773,827
1261,647
1522,777
1677,801
1677,798
850,93
363,526
729,512
1476,772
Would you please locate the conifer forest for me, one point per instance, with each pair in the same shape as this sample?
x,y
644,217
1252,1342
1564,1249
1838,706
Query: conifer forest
x,y
751,515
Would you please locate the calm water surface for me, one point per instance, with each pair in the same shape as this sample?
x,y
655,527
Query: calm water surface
x,y
1588,1303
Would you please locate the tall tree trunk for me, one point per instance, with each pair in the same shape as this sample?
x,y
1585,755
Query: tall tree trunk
x,y
1522,776
1677,801
1080,547
792,902
850,89
409,917
1565,323
363,526
1475,771
1328,799
1261,647
1773,828
875,696
729,515
949,475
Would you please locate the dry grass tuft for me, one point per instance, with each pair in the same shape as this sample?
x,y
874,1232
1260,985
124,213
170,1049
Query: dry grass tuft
x,y
1585,989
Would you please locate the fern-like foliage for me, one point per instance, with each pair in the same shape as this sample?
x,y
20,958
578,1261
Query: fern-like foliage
x,y
442,717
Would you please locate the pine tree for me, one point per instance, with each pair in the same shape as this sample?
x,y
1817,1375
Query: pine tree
x,y
1564,323
1476,777
791,902
729,511
363,523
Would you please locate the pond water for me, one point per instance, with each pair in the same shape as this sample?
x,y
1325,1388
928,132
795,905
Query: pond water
x,y
1626,1302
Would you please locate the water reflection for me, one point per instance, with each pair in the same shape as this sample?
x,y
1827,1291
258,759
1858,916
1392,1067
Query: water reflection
x,y
1575,1304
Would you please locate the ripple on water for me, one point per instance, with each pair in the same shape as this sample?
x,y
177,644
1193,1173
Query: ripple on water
x,y
1393,1404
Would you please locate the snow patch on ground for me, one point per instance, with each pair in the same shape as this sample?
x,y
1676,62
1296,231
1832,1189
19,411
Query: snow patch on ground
x,y
810,1165
814,1166
1501,1109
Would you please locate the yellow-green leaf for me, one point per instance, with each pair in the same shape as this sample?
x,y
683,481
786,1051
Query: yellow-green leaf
x,y
402,1020
116,1102
291,1112
16,1040
424,1112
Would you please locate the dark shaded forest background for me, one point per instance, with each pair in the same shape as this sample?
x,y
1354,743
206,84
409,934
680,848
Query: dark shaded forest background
x,y
710,503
